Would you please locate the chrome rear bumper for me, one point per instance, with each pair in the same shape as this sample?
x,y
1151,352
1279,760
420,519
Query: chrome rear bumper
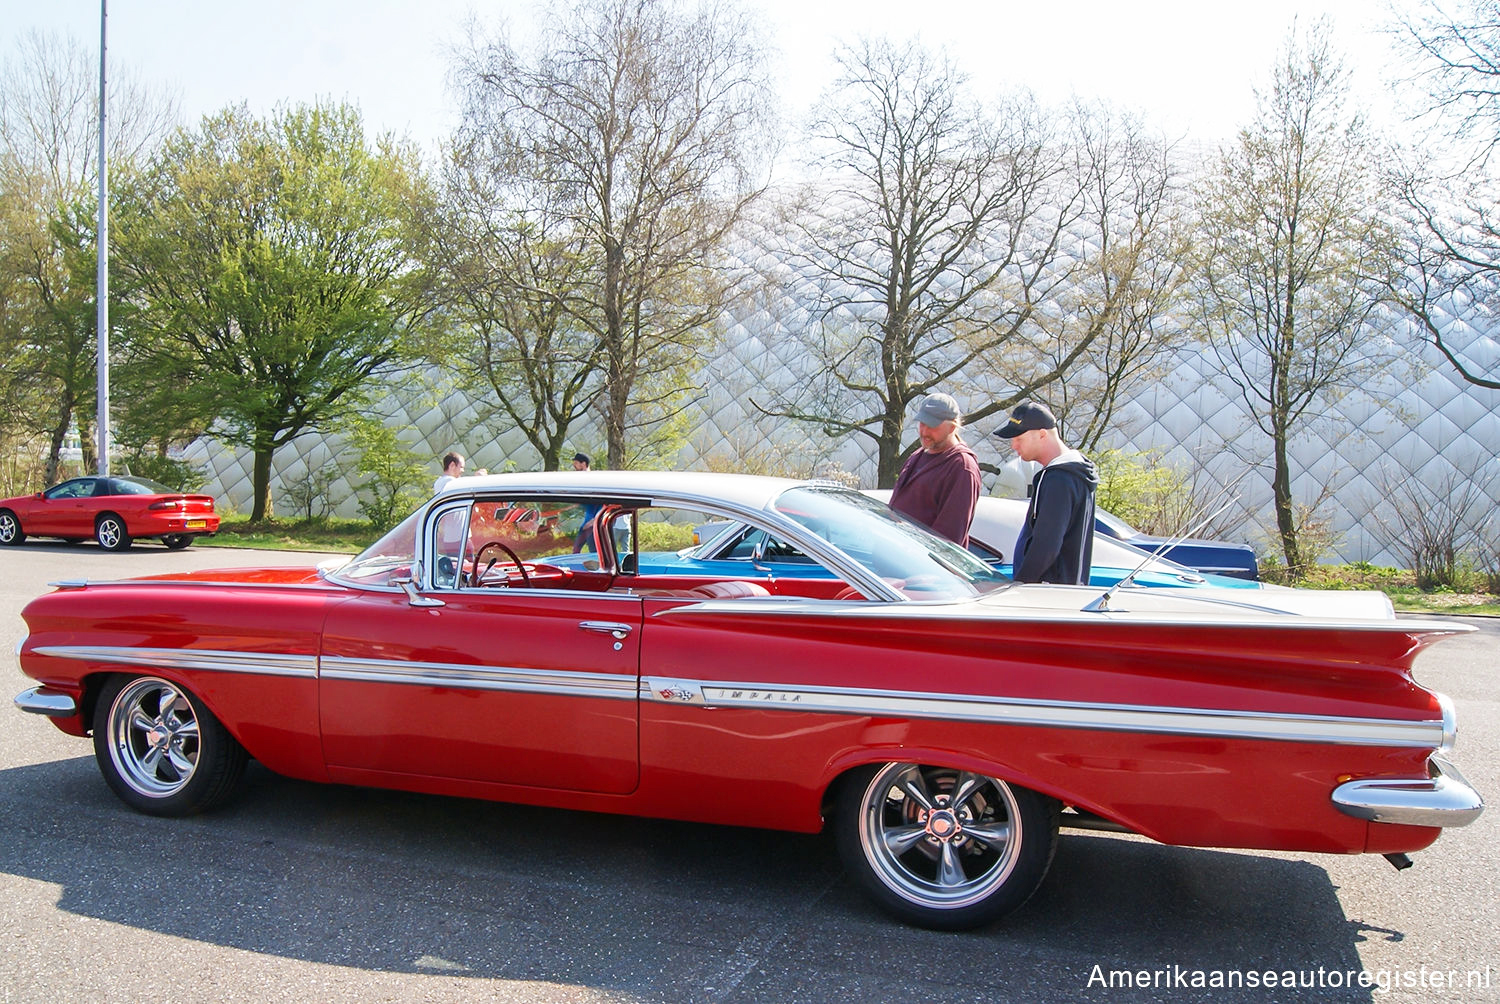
x,y
53,705
1444,799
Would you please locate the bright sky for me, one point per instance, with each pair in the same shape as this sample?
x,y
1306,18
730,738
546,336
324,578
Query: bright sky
x,y
1188,67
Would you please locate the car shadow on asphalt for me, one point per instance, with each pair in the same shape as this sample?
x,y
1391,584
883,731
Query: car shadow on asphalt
x,y
394,882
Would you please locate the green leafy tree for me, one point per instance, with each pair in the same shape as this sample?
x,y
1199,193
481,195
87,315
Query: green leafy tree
x,y
274,257
396,474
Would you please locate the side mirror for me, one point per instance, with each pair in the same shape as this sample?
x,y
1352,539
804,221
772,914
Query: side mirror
x,y
414,598
758,558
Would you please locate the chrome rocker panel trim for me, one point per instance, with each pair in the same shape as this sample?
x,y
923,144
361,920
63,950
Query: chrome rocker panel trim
x,y
1444,799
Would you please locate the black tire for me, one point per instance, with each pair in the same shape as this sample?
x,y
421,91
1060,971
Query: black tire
x,y
944,848
10,528
161,751
177,541
110,532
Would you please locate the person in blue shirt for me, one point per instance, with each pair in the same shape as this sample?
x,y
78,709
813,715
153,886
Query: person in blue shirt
x,y
585,538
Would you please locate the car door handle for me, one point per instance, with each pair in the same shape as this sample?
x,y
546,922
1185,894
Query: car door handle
x,y
606,627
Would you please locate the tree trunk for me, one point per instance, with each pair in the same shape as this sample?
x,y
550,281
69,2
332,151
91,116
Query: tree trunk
x,y
1286,520
888,450
59,435
617,394
260,482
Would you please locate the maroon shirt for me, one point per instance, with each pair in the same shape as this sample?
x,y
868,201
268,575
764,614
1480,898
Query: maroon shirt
x,y
939,490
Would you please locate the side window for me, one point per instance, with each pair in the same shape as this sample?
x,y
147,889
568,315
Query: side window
x,y
449,537
653,540
78,488
497,535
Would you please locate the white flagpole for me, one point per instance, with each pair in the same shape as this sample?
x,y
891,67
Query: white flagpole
x,y
102,283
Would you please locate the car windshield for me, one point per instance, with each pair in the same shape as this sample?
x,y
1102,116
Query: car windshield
x,y
1115,524
906,554
386,560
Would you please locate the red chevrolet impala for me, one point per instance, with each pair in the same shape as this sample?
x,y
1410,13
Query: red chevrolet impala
x,y
111,510
942,720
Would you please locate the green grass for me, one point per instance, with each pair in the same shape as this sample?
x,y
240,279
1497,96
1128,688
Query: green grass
x,y
348,536
1400,585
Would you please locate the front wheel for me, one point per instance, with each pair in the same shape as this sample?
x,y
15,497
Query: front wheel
x,y
10,528
161,751
944,848
177,541
110,532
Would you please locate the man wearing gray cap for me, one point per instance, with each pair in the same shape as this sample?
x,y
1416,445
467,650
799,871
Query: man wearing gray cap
x,y
1056,543
939,484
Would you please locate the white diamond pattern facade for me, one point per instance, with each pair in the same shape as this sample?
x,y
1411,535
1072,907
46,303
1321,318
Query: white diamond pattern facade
x,y
1416,418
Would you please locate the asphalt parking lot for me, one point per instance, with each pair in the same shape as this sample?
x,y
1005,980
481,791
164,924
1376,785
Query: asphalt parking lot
x,y
307,892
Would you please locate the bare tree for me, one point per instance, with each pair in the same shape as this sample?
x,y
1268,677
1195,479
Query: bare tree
x,y
1450,258
1125,287
49,142
1454,52
514,275
979,250
928,212
644,122
1295,249
1452,249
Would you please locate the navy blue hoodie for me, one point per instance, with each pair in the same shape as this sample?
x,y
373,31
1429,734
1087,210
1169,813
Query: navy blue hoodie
x,y
1056,543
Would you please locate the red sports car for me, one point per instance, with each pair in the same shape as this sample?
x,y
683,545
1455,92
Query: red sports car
x,y
112,510
942,720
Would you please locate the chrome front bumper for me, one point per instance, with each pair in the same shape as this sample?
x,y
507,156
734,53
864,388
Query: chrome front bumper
x,y
1443,799
53,705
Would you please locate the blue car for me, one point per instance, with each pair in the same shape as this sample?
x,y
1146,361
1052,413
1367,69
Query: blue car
x,y
1210,556
734,550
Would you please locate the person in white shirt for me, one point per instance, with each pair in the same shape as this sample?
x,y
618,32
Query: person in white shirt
x,y
453,467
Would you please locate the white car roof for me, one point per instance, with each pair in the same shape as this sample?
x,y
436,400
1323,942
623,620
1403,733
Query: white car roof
x,y
751,490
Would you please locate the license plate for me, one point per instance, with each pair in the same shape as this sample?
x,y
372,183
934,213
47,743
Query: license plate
x,y
197,524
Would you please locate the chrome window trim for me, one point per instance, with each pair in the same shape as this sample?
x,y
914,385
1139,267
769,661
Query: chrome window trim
x,y
827,554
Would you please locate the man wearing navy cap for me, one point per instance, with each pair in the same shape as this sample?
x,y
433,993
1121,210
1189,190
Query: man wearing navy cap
x,y
939,484
1056,543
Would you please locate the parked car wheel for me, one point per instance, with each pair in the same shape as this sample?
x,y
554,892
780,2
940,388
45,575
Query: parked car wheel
x,y
10,528
177,541
109,531
944,848
161,750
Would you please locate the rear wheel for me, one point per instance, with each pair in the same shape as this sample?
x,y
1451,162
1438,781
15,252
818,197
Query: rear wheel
x,y
177,541
110,532
161,750
944,848
10,528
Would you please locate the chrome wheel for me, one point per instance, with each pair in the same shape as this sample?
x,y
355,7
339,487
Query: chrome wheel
x,y
161,750
10,528
945,848
154,739
110,533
